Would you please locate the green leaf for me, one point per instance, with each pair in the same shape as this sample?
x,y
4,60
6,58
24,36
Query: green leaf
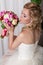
x,y
36,1
3,26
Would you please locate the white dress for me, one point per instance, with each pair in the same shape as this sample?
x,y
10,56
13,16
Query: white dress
x,y
28,54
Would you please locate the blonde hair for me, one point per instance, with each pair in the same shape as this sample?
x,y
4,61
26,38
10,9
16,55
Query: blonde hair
x,y
35,13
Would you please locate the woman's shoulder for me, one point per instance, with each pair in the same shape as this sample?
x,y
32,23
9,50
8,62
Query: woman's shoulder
x,y
26,36
21,35
27,32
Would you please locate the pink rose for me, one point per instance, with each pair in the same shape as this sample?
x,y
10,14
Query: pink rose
x,y
6,20
2,13
3,33
9,23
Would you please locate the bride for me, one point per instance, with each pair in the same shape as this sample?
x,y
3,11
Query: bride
x,y
29,53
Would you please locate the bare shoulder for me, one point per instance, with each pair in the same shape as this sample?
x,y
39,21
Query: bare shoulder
x,y
20,35
23,33
26,32
27,36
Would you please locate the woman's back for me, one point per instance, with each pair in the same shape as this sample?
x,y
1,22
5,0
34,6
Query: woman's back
x,y
30,36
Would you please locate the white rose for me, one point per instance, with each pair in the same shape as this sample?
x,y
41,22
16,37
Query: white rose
x,y
14,22
6,16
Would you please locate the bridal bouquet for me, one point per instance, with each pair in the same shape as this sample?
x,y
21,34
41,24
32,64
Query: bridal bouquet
x,y
9,18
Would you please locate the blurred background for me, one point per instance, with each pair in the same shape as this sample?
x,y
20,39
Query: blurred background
x,y
15,6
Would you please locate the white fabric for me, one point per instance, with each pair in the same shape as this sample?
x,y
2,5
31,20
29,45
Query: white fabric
x,y
27,55
26,51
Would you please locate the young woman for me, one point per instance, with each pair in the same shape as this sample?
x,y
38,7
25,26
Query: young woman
x,y
27,41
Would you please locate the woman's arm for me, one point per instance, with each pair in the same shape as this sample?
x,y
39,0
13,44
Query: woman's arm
x,y
11,38
13,43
